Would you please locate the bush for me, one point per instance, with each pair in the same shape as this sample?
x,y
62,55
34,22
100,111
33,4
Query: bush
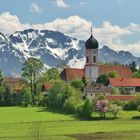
x,y
77,84
123,91
70,105
63,96
85,109
27,97
57,95
132,105
101,97
102,107
138,108
115,109
119,103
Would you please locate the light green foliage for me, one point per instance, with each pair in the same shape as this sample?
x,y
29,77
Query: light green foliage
x,y
53,73
77,84
101,97
85,109
70,105
27,97
31,72
115,109
43,78
136,74
138,108
115,91
119,103
103,78
73,100
112,74
58,94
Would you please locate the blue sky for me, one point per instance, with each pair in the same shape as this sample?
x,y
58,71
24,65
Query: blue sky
x,y
120,12
116,22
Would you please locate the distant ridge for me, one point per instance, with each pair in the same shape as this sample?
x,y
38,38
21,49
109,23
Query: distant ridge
x,y
53,48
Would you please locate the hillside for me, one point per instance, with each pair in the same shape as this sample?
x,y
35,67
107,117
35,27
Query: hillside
x,y
53,48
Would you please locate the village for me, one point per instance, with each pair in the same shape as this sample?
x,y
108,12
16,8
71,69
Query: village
x,y
69,70
114,81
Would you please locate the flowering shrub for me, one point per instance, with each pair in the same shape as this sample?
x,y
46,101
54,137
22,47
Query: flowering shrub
x,y
102,106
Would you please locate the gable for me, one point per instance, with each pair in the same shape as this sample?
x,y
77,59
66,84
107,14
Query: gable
x,y
46,86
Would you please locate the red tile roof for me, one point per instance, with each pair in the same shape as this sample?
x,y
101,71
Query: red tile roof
x,y
69,74
125,82
123,71
47,86
121,97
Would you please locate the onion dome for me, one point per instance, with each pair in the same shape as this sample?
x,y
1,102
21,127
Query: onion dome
x,y
91,43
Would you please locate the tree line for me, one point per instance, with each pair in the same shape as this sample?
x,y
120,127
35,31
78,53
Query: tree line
x,y
64,97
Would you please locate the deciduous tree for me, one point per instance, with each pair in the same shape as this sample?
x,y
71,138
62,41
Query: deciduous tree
x,y
30,72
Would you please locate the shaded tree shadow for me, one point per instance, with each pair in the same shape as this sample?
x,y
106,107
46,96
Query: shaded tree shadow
x,y
58,111
136,117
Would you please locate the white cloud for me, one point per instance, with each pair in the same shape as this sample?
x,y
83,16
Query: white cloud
x,y
61,3
75,26
9,23
34,8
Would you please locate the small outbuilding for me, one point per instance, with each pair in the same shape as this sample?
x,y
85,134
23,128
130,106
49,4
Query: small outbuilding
x,y
46,87
132,85
93,91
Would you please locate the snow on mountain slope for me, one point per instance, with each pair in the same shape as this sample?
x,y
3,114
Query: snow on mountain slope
x,y
52,47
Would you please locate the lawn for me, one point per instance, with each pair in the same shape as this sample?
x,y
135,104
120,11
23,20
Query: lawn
x,y
38,124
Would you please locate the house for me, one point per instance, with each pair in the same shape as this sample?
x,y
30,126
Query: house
x,y
131,85
93,91
14,84
46,87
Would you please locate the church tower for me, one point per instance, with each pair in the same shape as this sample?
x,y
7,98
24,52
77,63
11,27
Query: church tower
x,y
91,67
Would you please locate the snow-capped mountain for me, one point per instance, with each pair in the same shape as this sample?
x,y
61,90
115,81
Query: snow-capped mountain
x,y
53,48
121,57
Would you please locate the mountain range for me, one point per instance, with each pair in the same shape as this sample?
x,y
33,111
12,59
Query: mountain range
x,y
53,48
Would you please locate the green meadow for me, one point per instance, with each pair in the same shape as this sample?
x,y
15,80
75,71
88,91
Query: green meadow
x,y
17,123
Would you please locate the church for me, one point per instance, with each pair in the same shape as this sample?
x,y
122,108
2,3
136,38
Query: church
x,y
93,69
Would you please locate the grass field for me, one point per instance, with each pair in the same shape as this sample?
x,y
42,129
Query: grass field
x,y
37,124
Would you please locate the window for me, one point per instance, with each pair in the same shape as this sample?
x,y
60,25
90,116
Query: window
x,y
87,59
94,59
